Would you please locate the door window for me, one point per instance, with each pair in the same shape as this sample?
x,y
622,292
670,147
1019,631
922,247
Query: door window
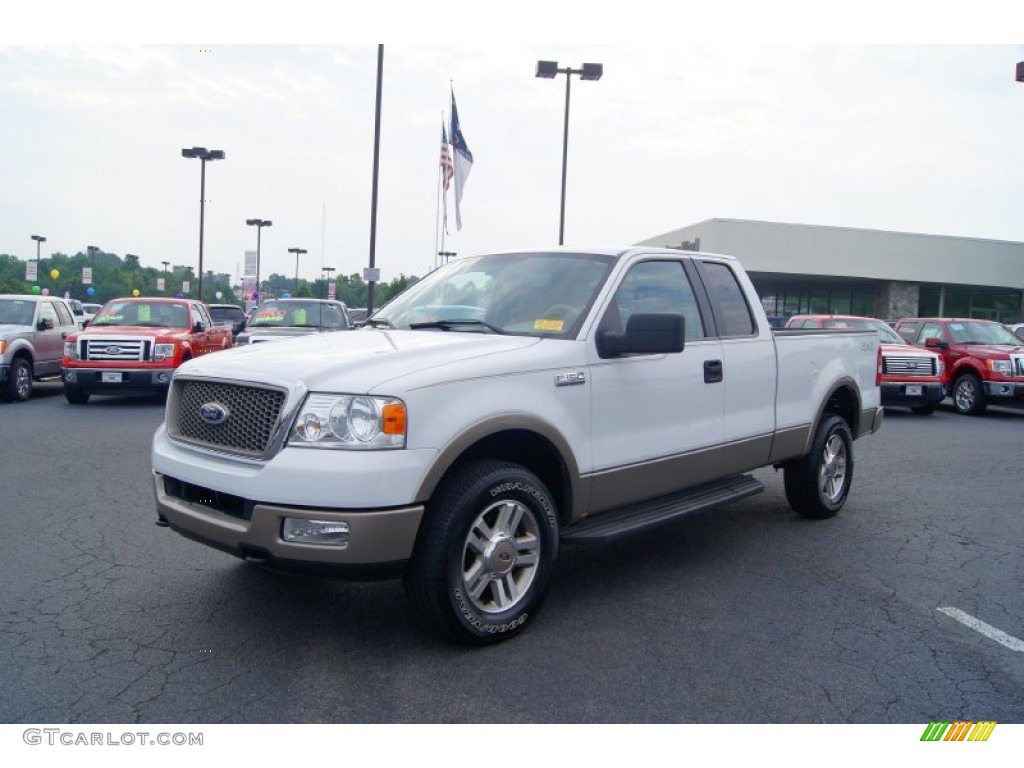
x,y
654,287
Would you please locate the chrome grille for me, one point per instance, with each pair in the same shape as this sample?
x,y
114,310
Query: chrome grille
x,y
252,415
134,350
909,366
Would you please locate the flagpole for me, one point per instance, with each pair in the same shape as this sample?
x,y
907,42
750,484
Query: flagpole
x,y
437,213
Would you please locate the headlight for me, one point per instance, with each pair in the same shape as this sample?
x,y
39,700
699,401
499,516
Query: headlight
x,y
163,351
70,349
1001,367
352,422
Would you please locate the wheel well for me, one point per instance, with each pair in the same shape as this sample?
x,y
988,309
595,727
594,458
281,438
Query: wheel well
x,y
844,403
531,450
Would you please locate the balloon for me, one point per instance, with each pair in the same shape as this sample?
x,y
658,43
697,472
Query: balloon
x,y
219,295
255,295
46,291
90,291
135,292
54,274
179,295
35,289
286,295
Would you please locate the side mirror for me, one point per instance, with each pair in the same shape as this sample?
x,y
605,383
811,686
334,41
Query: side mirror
x,y
44,325
935,343
198,327
646,334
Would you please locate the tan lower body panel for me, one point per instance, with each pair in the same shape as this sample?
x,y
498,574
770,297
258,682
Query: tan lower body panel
x,y
627,485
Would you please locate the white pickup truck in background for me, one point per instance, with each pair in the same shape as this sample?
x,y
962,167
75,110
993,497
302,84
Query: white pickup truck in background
x,y
501,407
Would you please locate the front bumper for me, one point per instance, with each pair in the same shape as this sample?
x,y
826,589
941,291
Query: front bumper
x,y
1004,390
239,505
117,380
379,540
910,394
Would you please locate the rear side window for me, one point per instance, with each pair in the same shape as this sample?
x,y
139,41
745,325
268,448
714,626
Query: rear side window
x,y
731,310
908,331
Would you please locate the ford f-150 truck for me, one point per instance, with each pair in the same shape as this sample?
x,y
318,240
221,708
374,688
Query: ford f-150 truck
x,y
134,345
984,360
504,406
32,333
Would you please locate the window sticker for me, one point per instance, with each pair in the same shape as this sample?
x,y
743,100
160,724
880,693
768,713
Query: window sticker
x,y
144,313
956,326
546,324
269,316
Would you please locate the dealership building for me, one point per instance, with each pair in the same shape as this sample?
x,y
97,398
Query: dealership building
x,y
799,268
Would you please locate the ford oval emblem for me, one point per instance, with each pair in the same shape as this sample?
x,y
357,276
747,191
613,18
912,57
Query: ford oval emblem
x,y
113,349
213,413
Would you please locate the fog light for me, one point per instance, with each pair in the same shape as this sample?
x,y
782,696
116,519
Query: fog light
x,y
304,531
163,377
70,376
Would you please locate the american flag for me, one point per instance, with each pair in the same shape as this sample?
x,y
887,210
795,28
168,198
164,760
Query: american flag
x,y
447,169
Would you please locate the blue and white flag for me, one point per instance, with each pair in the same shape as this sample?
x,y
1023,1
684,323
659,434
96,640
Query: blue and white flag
x,y
463,162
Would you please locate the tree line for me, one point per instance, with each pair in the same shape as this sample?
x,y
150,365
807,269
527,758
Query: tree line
x,y
115,276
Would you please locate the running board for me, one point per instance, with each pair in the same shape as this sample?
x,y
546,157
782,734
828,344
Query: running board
x,y
606,526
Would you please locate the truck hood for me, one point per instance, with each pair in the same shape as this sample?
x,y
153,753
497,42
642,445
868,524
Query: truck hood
x,y
905,350
355,361
994,351
272,334
110,331
7,331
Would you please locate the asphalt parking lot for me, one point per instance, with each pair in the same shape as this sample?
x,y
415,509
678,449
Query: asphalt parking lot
x,y
744,615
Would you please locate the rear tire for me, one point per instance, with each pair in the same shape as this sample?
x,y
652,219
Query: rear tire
x,y
968,395
486,547
817,484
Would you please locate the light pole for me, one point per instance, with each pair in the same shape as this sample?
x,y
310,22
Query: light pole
x,y
203,154
39,241
133,260
445,255
327,280
548,70
166,284
297,251
259,224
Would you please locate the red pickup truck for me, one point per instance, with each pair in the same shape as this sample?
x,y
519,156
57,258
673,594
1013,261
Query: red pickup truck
x,y
910,377
984,361
133,346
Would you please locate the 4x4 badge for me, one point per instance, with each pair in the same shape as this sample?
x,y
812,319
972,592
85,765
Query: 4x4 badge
x,y
213,413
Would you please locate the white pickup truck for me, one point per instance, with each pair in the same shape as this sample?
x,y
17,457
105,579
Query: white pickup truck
x,y
503,406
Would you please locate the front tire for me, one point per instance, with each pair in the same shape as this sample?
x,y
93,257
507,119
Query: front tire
x,y
968,396
19,381
817,484
75,396
486,547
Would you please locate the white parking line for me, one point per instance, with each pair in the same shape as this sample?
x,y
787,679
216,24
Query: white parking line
x,y
987,630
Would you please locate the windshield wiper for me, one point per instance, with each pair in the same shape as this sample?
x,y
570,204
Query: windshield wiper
x,y
447,325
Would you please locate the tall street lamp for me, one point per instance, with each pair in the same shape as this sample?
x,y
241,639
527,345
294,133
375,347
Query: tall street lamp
x,y
133,262
39,241
203,154
259,224
297,251
548,70
327,280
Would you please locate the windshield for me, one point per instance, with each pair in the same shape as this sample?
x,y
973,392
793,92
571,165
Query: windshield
x,y
226,313
884,331
16,312
296,313
531,294
150,314
981,332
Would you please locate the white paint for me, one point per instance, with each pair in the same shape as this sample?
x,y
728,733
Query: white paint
x,y
987,630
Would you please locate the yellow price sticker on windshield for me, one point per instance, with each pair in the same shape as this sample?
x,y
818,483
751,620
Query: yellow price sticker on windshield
x,y
545,324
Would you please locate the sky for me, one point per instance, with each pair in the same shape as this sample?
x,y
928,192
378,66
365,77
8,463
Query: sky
x,y
841,122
